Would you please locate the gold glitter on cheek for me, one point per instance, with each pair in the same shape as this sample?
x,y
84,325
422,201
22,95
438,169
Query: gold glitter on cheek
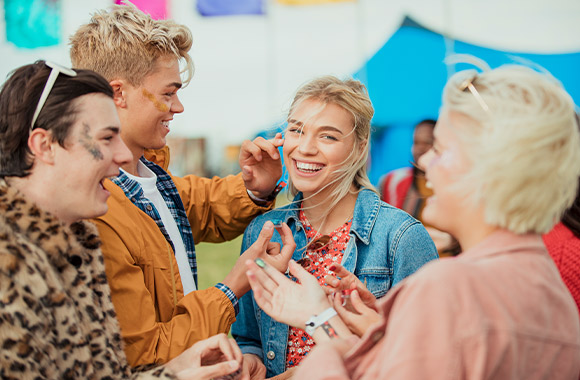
x,y
160,106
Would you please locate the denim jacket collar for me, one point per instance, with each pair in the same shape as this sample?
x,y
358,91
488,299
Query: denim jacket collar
x,y
364,217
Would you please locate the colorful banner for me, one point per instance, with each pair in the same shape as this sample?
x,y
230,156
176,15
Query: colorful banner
x,y
230,7
33,23
156,8
310,2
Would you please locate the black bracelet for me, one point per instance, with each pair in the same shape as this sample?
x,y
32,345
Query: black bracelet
x,y
329,330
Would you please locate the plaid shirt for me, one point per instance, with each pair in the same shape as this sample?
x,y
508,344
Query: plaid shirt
x,y
166,187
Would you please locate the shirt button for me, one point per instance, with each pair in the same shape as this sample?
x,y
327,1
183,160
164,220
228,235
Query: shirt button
x,y
133,200
149,208
271,355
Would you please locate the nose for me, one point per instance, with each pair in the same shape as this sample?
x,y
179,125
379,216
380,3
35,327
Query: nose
x,y
425,159
122,154
306,145
177,106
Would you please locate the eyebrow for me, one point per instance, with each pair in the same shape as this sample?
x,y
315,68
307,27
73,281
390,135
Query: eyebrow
x,y
177,85
323,127
113,129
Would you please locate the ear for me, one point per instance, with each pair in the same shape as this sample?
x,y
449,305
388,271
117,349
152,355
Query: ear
x,y
42,145
119,96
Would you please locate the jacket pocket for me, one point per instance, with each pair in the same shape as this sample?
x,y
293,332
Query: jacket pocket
x,y
377,280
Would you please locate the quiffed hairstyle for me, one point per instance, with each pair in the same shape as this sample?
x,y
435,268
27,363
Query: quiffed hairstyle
x,y
124,43
524,149
352,96
19,98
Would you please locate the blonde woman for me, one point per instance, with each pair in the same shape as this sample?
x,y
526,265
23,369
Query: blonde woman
x,y
503,168
336,216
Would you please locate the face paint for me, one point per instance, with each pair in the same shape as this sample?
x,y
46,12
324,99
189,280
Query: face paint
x,y
87,141
159,105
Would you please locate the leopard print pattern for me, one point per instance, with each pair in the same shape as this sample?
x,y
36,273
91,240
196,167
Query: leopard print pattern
x,y
57,320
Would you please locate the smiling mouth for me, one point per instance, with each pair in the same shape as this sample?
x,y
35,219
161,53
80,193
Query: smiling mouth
x,y
308,167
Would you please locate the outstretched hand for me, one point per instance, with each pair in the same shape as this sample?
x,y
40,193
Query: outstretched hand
x,y
261,164
358,317
208,359
275,255
348,281
281,298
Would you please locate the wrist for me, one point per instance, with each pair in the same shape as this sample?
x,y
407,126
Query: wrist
x,y
266,197
317,320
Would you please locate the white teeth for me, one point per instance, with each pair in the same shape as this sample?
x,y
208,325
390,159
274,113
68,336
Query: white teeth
x,y
308,167
428,185
165,123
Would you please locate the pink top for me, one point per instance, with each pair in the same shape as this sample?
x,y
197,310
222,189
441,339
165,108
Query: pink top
x,y
498,311
564,248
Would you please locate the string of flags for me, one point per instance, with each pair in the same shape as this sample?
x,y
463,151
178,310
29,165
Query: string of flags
x,y
38,23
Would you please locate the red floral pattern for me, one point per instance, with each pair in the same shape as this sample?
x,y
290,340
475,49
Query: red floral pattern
x,y
320,259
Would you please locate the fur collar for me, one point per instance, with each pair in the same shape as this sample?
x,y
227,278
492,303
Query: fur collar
x,y
20,216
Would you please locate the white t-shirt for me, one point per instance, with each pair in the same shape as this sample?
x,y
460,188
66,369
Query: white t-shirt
x,y
147,179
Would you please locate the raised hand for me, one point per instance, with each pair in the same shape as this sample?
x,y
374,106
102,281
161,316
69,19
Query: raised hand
x,y
264,249
360,318
348,281
284,300
208,359
261,164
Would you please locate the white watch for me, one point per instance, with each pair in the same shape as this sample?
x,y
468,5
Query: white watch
x,y
318,320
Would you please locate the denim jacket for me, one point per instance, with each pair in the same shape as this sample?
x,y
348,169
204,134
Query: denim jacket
x,y
385,246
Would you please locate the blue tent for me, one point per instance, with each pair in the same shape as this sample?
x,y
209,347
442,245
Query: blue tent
x,y
405,79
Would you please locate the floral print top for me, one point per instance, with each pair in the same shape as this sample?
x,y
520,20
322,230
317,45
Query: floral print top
x,y
318,258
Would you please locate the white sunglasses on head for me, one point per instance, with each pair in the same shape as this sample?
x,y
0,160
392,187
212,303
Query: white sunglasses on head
x,y
56,69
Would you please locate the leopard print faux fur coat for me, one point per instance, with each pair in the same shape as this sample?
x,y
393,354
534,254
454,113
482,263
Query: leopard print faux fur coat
x,y
56,316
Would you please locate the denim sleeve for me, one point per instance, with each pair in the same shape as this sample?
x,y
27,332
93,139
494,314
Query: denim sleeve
x,y
245,330
412,250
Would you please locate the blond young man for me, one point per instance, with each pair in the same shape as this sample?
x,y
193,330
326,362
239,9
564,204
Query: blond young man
x,y
154,218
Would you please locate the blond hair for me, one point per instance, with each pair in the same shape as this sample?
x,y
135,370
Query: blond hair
x,y
524,148
352,96
124,43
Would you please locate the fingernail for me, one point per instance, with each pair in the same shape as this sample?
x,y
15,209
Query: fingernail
x,y
268,225
332,267
259,262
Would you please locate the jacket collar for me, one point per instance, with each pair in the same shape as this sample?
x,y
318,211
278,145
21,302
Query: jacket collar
x,y
366,210
158,156
60,242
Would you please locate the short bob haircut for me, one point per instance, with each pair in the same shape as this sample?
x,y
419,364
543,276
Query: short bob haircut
x,y
352,96
525,149
19,98
124,43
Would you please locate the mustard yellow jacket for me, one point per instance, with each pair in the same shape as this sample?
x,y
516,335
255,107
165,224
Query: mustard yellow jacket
x,y
157,321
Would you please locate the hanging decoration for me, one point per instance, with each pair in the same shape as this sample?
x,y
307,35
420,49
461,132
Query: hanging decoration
x,y
33,23
230,7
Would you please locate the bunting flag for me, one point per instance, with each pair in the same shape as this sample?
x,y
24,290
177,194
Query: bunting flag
x,y
33,23
157,9
310,2
230,7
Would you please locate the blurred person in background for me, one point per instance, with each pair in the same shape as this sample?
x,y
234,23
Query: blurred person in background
x,y
406,188
563,244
